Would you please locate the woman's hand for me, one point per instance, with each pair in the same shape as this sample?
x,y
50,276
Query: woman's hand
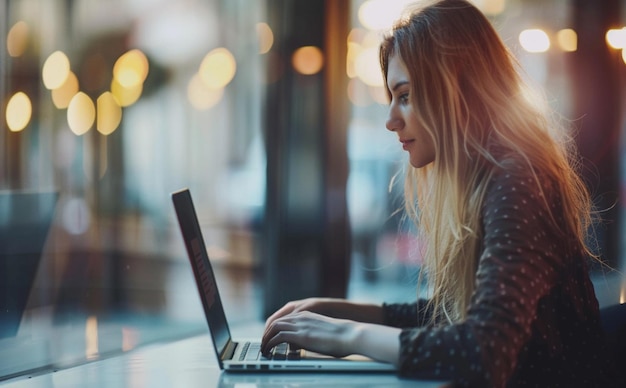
x,y
311,331
332,336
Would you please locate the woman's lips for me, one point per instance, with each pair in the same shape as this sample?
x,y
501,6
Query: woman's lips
x,y
406,143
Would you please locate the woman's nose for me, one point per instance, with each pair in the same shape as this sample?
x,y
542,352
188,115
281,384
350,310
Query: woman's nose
x,y
393,123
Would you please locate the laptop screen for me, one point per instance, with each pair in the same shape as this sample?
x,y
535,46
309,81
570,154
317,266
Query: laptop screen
x,y
203,273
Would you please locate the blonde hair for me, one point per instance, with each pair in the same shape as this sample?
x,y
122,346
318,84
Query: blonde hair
x,y
467,93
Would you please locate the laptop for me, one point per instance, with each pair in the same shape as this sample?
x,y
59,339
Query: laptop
x,y
244,354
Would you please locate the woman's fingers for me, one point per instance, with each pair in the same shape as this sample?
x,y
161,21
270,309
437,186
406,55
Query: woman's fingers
x,y
286,328
309,304
285,310
279,331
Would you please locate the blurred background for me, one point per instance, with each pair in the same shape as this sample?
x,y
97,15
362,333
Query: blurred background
x,y
272,112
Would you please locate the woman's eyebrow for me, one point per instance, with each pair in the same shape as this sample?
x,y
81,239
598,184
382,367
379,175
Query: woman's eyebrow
x,y
399,84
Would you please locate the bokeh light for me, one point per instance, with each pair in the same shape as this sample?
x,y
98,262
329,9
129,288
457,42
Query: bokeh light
x,y
91,338
17,39
81,114
126,96
266,37
109,113
354,49
62,95
567,39
200,96
490,7
18,112
55,70
380,14
307,60
534,40
357,35
616,38
131,69
362,58
218,68
367,67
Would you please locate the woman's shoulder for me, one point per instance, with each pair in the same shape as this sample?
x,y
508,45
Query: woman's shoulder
x,y
514,170
516,180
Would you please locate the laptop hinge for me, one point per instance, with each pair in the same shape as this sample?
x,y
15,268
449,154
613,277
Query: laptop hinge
x,y
229,350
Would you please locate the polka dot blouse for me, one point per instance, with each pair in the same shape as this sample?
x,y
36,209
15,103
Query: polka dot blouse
x,y
533,319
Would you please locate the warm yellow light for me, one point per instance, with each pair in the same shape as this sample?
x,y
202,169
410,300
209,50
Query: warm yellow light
x,y
353,52
356,35
81,113
200,96
130,338
56,69
367,67
19,112
91,338
218,68
490,7
534,40
380,14
62,95
307,60
109,113
131,68
371,40
616,38
17,39
126,96
567,39
624,55
266,37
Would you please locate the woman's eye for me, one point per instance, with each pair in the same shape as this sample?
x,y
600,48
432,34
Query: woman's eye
x,y
404,98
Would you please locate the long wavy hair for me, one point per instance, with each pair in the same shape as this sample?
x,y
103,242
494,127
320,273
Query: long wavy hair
x,y
467,92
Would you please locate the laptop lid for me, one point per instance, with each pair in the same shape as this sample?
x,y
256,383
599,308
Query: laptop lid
x,y
203,273
25,219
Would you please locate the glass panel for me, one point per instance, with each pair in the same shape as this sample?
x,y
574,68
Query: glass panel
x,y
113,105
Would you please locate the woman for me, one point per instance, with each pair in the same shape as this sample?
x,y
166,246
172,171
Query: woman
x,y
493,190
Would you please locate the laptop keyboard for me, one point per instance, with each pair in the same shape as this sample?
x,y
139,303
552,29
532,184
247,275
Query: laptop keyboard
x,y
252,352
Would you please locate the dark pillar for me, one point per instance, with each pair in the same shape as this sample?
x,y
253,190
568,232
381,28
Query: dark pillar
x,y
306,245
596,71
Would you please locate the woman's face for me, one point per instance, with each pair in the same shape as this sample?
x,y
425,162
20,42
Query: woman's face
x,y
402,118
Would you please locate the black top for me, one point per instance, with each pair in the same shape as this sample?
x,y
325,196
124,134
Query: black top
x,y
533,318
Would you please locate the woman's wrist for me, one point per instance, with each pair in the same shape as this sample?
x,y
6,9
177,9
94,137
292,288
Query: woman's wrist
x,y
378,342
343,309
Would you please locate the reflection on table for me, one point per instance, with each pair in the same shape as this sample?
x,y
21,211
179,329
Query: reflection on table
x,y
191,362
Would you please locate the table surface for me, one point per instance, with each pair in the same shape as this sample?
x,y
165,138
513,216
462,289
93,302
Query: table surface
x,y
190,362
